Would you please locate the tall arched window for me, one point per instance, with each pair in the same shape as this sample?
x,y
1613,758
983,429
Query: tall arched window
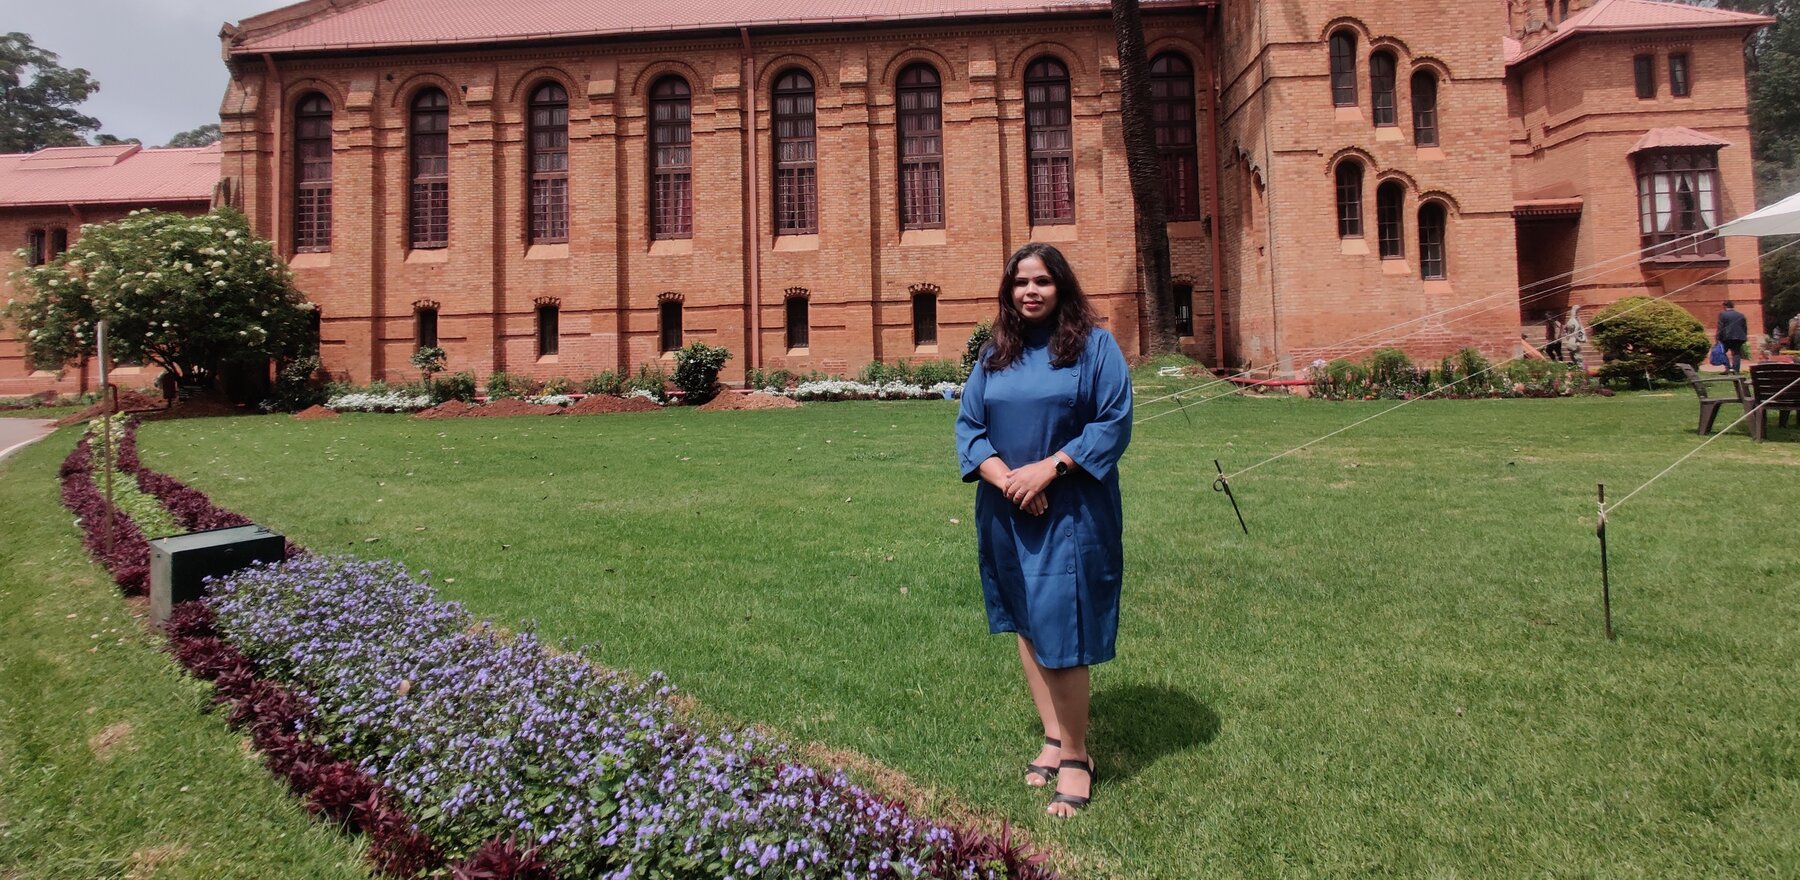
x,y
549,164
1350,199
671,155
796,156
312,174
1390,222
920,100
1425,110
1433,257
1050,144
1381,89
430,170
1172,112
1343,68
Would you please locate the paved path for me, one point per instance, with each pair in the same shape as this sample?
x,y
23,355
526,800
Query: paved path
x,y
16,434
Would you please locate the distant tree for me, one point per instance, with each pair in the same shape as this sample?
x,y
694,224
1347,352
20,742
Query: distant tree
x,y
38,97
196,137
190,294
112,140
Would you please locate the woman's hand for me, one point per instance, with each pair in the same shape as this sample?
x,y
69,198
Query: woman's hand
x,y
994,472
1026,485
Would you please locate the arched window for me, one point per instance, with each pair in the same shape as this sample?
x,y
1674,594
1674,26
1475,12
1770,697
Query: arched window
x,y
1390,213
1433,259
1381,89
1172,112
549,164
430,170
1350,199
799,322
1050,144
1343,68
35,247
312,174
796,156
671,152
1425,111
920,100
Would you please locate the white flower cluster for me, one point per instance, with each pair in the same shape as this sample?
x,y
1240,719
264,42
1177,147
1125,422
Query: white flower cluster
x,y
645,394
554,400
843,389
390,401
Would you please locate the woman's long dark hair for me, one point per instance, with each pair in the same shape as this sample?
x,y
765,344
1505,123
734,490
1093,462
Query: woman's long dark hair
x,y
1070,324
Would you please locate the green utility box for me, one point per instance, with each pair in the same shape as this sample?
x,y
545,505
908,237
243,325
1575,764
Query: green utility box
x,y
179,563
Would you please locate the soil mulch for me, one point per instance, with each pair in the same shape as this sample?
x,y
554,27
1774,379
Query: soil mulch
x,y
316,411
753,400
449,409
512,406
601,404
129,401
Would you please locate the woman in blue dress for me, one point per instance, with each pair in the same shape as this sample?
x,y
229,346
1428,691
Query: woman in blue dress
x,y
1045,416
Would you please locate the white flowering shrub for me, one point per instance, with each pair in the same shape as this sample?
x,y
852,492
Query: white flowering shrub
x,y
646,394
378,401
554,399
843,389
188,294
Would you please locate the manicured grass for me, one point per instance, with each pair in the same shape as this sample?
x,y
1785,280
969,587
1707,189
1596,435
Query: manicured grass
x,y
40,412
108,768
1400,671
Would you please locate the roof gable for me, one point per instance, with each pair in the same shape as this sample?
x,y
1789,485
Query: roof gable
x,y
113,175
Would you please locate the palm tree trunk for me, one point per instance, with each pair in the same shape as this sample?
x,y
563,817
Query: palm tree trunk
x,y
1145,170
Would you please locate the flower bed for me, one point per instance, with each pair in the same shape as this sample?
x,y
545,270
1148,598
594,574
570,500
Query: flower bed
x,y
383,402
840,389
393,712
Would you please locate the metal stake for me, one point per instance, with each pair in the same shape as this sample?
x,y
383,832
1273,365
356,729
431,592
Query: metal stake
x,y
1222,484
1605,572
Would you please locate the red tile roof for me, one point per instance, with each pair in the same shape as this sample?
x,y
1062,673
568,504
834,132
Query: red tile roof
x,y
1629,16
316,25
1663,138
125,174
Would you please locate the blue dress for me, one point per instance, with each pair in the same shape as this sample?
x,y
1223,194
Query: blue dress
x,y
1053,579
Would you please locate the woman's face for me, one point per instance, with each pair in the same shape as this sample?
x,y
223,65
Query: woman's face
x,y
1033,290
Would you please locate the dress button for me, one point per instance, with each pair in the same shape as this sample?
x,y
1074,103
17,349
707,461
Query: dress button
x,y
1071,569
1068,533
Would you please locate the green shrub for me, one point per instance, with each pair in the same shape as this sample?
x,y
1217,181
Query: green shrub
x,y
429,360
776,379
697,371
978,339
931,373
651,378
1642,339
606,382
502,385
297,386
556,385
1390,365
456,386
878,373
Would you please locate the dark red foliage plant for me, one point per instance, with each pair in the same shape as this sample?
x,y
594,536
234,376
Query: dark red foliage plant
x,y
338,788
502,859
396,846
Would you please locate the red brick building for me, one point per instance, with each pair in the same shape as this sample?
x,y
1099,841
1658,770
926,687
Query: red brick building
x,y
557,189
46,196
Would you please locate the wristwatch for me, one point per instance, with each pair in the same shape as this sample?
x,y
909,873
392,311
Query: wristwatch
x,y
1062,468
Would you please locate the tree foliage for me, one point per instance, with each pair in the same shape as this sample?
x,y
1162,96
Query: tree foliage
x,y
189,294
196,137
38,97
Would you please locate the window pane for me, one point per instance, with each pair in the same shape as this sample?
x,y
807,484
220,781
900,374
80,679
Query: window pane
x,y
1678,76
1389,210
549,330
1184,310
1431,241
425,328
1343,69
671,140
924,319
796,156
1349,199
798,321
430,202
1172,112
312,174
549,164
1050,155
1425,112
669,319
1381,87
921,149
1644,66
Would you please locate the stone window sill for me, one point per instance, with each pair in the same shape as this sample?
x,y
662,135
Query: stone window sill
x,y
311,260
1057,232
663,247
921,237
786,243
556,251
428,255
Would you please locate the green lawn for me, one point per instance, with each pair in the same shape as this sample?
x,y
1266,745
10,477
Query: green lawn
x,y
108,769
1400,671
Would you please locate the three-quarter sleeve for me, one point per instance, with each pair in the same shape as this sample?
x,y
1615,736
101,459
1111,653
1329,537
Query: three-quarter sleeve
x,y
972,444
1103,440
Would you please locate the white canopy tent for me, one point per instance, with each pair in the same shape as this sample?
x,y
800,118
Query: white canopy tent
x,y
1781,218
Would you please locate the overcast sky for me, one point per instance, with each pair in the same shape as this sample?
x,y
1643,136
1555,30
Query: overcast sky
x,y
157,61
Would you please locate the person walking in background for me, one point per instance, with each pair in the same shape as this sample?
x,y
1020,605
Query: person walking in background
x,y
1733,332
1045,416
1552,337
1574,336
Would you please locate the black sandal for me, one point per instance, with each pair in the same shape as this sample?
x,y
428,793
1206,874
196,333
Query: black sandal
x,y
1079,803
1047,773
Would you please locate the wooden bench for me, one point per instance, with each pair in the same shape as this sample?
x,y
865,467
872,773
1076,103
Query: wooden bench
x,y
1709,405
1774,387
